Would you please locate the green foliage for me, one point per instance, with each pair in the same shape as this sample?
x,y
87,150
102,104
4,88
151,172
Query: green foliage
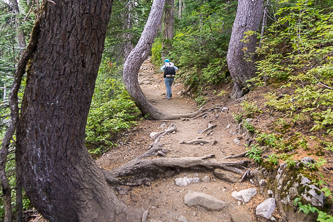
x,y
156,50
255,153
250,108
322,216
200,46
222,93
111,111
201,100
317,164
298,50
248,126
272,158
238,117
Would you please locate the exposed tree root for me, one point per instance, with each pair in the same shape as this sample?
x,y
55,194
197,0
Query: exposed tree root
x,y
139,170
157,137
203,114
247,175
196,141
210,126
236,156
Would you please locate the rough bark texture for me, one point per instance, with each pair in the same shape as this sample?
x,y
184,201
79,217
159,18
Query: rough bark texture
x,y
168,29
248,17
61,179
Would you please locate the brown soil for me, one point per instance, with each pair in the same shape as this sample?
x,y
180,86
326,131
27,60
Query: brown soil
x,y
162,198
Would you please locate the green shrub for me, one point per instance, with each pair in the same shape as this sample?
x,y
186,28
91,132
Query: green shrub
x,y
156,50
111,111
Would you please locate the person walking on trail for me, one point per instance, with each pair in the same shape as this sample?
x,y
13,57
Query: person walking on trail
x,y
169,70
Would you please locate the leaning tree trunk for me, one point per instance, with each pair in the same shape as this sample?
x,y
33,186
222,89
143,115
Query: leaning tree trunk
x,y
240,61
168,29
136,58
61,179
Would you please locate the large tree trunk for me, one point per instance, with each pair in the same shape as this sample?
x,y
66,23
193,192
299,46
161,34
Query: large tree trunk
x,y
168,29
61,179
241,61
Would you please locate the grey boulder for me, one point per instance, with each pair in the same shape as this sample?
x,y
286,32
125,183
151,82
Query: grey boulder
x,y
266,208
203,200
244,195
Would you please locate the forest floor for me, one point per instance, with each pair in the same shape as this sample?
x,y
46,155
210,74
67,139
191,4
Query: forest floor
x,y
163,199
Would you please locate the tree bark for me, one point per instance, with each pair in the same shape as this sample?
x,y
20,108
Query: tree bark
x,y
19,32
61,179
180,9
168,29
128,46
240,56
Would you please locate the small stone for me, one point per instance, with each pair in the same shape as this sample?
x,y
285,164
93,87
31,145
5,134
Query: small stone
x,y
244,195
206,179
195,214
236,141
228,126
270,193
262,182
185,181
182,219
145,216
305,180
266,208
272,218
203,200
240,218
225,109
307,160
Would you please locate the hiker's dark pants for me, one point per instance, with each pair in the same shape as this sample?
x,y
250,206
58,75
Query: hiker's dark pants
x,y
168,82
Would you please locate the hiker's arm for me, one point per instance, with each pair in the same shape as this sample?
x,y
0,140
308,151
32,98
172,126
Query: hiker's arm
x,y
162,68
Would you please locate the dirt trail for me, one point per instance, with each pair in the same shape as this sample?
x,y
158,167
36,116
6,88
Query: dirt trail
x,y
162,198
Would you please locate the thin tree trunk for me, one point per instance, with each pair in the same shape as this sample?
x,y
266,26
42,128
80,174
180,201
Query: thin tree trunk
x,y
22,46
180,9
263,23
128,46
19,32
240,63
168,31
61,179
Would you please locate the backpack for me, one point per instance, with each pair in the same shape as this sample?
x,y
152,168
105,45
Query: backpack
x,y
169,70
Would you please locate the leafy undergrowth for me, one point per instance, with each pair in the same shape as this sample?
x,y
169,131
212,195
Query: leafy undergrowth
x,y
111,112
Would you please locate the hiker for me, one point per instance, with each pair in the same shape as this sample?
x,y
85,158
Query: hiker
x,y
169,73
